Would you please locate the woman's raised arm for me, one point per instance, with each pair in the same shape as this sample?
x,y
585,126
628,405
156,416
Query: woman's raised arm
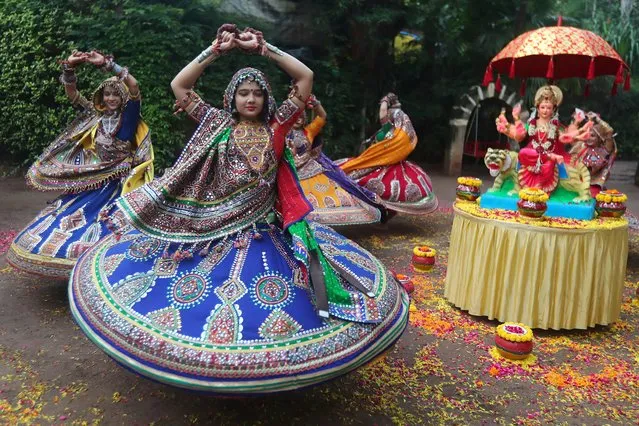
x,y
184,81
68,77
252,41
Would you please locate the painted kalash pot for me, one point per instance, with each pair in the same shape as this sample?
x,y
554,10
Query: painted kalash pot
x,y
514,340
423,258
611,203
532,203
468,188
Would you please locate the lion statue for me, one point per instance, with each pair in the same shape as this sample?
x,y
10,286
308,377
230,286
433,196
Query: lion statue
x,y
502,165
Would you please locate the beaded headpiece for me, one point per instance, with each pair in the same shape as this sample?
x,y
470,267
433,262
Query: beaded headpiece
x,y
550,93
250,74
112,82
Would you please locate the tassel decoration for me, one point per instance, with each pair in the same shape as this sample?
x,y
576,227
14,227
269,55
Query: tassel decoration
x,y
591,69
550,73
619,77
488,75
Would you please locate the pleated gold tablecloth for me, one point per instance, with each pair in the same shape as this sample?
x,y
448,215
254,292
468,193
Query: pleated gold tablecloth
x,y
543,277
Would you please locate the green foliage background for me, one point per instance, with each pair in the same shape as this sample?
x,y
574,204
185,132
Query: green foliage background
x,y
354,63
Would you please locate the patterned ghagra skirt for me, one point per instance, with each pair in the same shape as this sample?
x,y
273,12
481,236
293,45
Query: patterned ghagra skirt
x,y
51,244
237,318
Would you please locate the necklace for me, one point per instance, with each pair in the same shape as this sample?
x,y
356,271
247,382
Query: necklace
x,y
110,123
543,132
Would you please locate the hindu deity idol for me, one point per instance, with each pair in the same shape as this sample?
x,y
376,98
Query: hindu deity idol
x,y
598,152
544,163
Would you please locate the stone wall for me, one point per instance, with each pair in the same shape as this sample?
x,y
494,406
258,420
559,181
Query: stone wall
x,y
288,22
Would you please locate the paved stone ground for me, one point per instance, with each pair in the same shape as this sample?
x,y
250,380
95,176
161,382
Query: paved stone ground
x,y
440,372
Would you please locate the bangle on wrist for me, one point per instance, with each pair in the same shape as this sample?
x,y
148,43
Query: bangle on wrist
x,y
66,66
115,68
68,78
211,51
123,74
268,47
108,63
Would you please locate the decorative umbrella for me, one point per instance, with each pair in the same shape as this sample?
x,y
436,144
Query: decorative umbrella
x,y
558,52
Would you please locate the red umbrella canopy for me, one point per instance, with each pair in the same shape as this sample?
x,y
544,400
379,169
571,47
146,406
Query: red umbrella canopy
x,y
559,52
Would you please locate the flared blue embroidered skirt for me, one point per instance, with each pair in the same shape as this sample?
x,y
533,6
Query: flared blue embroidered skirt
x,y
51,244
237,318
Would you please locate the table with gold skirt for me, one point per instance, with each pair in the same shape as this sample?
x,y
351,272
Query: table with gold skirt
x,y
544,277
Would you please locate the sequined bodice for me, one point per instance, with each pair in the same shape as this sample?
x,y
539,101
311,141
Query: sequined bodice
x,y
253,142
247,157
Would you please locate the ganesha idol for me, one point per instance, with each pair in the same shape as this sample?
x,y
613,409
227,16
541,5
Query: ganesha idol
x,y
543,163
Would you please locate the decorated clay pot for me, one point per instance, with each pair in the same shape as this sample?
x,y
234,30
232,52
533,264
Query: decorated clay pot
x,y
423,258
610,203
406,282
514,340
532,203
468,188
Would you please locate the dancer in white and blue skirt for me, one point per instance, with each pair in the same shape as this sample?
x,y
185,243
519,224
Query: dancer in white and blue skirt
x,y
212,280
104,152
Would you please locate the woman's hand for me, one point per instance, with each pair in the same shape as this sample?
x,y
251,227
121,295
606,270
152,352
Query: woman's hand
x,y
312,102
383,112
577,134
585,131
501,123
77,58
556,158
96,58
226,42
249,40
516,112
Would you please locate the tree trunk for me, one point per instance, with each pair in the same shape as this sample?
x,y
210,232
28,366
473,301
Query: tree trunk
x,y
520,20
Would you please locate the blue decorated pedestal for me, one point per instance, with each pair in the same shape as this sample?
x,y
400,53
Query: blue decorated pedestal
x,y
559,205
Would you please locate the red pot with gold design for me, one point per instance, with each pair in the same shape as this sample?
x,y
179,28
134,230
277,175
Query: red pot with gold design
x,y
423,258
514,340
611,203
468,188
532,203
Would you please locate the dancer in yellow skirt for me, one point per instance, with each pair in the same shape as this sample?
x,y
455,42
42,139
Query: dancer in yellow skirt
x,y
336,199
